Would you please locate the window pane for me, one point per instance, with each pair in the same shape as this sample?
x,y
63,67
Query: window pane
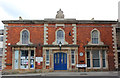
x,y
32,59
88,54
88,59
16,59
25,37
24,53
88,62
32,52
95,37
96,63
1,38
95,40
72,56
103,58
47,56
95,34
60,36
103,54
1,32
119,57
104,63
24,59
96,59
95,54
1,50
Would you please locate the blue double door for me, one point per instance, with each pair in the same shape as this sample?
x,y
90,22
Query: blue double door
x,y
60,61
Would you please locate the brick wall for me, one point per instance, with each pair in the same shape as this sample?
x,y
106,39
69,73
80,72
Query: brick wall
x,y
83,37
37,37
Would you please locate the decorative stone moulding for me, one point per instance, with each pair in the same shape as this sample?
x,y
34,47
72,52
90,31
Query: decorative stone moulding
x,y
60,14
55,42
20,42
99,40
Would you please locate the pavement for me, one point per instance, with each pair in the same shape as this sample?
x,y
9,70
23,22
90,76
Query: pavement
x,y
0,74
111,73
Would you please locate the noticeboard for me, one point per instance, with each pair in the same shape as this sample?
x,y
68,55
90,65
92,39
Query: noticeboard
x,y
39,59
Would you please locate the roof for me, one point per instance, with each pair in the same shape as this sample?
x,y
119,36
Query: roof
x,y
65,21
59,19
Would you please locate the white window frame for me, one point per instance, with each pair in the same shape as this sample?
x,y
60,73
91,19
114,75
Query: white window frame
x,y
100,60
19,58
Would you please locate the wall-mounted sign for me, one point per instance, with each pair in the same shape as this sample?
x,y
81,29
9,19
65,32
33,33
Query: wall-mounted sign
x,y
38,63
81,65
81,54
39,59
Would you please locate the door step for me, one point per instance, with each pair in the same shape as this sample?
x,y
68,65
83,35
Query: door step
x,y
60,71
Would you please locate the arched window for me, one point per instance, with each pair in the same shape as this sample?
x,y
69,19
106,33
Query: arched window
x,y
95,37
60,36
25,37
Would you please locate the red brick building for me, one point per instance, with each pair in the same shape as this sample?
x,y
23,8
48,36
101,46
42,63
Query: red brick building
x,y
59,44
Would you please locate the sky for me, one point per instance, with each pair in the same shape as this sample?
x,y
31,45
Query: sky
x,y
40,9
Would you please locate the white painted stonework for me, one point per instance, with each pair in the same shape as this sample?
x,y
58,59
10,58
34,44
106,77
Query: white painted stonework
x,y
74,32
4,46
45,34
115,45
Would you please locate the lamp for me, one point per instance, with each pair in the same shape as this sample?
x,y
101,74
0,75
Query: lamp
x,y
60,44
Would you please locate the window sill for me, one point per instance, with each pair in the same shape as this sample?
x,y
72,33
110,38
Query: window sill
x,y
96,68
104,67
88,67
